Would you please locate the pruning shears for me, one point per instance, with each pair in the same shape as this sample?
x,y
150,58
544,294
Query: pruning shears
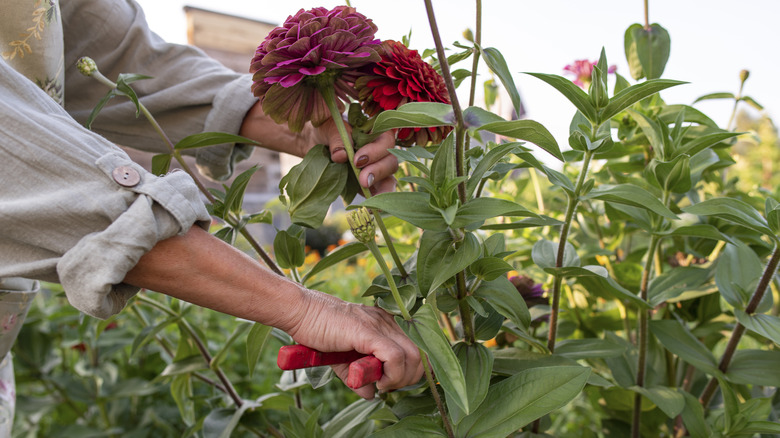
x,y
363,368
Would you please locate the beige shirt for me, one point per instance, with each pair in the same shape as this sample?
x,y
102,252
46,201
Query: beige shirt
x,y
68,213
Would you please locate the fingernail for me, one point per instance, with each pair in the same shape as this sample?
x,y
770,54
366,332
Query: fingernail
x,y
362,161
336,150
370,179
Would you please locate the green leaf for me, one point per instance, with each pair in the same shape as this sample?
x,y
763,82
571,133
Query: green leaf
x,y
750,101
490,159
209,139
443,164
722,95
732,210
415,115
490,268
455,260
675,282
477,364
679,340
632,195
477,210
234,198
772,214
668,400
545,254
123,88
634,94
495,61
737,274
416,426
99,107
575,94
222,422
161,164
433,248
186,365
762,427
181,391
522,398
227,345
576,271
413,207
255,341
424,331
344,252
673,176
588,348
475,117
611,287
704,231
767,326
505,298
693,417
703,142
312,186
289,247
541,221
755,367
527,130
350,418
149,333
652,45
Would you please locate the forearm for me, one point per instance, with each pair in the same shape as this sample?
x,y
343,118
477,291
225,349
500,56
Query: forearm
x,y
199,268
260,127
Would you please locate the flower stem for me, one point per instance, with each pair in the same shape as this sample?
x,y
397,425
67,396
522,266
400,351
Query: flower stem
x,y
647,14
390,280
435,393
477,45
643,316
739,329
329,95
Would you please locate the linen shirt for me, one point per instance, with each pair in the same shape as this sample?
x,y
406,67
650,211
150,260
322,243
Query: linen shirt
x,y
66,215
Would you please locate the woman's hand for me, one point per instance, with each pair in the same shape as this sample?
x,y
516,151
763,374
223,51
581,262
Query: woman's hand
x,y
327,323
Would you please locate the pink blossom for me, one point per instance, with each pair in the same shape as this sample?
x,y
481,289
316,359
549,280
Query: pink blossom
x,y
582,69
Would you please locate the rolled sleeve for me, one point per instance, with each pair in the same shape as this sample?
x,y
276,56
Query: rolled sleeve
x,y
67,214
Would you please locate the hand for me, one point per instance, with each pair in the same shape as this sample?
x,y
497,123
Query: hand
x,y
377,165
329,324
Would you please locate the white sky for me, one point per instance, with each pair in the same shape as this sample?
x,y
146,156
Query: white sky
x,y
712,40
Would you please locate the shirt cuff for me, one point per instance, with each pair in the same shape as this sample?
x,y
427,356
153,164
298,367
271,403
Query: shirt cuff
x,y
92,271
229,109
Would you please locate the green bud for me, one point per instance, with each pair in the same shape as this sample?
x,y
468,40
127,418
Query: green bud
x,y
598,91
86,66
468,35
361,222
744,74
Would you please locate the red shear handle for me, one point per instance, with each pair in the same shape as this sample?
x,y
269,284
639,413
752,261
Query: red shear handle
x,y
363,369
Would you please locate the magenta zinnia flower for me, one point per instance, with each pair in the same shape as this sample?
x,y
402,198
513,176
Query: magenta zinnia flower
x,y
583,69
400,77
312,50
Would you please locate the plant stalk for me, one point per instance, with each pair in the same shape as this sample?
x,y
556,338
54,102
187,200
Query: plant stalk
x,y
643,316
436,396
477,46
329,95
390,280
739,329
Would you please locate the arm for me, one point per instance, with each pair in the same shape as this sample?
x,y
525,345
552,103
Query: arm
x,y
201,269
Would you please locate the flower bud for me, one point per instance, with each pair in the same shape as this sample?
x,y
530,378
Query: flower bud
x,y
468,35
86,66
361,222
744,74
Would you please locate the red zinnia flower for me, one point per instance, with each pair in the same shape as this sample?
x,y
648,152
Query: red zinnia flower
x,y
400,77
313,49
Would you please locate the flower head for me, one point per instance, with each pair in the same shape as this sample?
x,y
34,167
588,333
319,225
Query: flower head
x,y
362,224
86,66
313,49
532,292
582,69
400,77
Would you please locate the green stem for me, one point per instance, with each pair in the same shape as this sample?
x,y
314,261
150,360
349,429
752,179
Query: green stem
x,y
643,322
329,95
390,280
435,393
739,329
231,391
647,14
570,211
477,45
737,98
466,315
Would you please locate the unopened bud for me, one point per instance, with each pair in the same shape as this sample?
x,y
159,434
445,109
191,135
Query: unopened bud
x,y
468,35
743,75
361,222
86,66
